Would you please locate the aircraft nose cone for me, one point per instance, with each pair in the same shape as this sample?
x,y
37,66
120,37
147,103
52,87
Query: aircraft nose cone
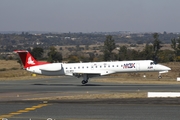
x,y
166,68
163,67
169,68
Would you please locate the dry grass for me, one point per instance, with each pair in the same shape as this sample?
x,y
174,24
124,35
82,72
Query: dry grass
x,y
89,96
9,64
11,70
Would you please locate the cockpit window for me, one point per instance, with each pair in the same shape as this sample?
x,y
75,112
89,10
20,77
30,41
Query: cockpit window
x,y
151,63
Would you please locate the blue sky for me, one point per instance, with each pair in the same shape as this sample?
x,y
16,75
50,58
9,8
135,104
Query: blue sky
x,y
90,15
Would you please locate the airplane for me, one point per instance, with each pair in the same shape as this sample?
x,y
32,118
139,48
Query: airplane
x,y
89,69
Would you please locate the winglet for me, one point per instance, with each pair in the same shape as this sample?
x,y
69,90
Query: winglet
x,y
27,59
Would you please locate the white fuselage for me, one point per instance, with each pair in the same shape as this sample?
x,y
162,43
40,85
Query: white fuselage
x,y
98,68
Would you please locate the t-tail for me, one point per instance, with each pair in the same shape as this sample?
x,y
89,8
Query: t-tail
x,y
27,59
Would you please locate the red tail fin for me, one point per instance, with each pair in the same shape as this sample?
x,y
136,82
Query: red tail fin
x,y
27,59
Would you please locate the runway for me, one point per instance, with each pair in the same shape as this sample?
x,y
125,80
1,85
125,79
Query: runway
x,y
72,84
13,108
90,112
68,86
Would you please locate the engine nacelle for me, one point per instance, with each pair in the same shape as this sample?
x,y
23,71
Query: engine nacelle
x,y
51,67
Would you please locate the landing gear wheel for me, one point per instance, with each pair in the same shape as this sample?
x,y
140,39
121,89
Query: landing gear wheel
x,y
84,82
159,77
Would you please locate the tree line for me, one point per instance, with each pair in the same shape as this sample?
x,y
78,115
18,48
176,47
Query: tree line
x,y
150,52
8,42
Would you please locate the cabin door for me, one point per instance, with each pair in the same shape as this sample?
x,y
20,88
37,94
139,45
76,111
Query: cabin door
x,y
137,66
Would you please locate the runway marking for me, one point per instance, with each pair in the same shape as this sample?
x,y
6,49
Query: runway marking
x,y
9,115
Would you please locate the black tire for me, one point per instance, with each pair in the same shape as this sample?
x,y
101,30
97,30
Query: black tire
x,y
83,82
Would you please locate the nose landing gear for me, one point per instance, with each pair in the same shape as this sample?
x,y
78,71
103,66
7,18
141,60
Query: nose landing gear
x,y
159,76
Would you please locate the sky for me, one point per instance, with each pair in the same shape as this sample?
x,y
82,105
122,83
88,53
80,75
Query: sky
x,y
90,15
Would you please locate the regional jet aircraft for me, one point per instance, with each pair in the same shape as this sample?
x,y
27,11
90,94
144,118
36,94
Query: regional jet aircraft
x,y
90,69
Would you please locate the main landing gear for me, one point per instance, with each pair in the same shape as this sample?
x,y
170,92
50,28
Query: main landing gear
x,y
85,79
84,76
